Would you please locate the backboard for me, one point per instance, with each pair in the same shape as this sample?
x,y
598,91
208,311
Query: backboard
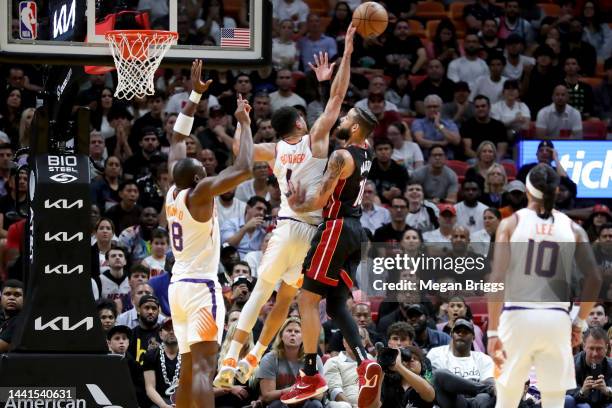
x,y
71,32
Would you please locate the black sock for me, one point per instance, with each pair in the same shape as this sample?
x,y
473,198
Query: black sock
x,y
336,309
310,364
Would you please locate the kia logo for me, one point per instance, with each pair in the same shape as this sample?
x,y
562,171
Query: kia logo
x,y
63,178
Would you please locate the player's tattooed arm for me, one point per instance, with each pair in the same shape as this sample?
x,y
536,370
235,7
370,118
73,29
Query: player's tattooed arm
x,y
178,149
340,166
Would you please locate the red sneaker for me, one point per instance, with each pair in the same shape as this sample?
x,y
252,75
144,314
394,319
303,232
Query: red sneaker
x,y
305,387
370,380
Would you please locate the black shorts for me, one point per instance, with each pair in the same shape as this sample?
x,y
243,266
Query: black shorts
x,y
333,255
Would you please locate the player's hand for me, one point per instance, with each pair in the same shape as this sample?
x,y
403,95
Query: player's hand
x,y
296,195
239,391
321,67
196,78
348,39
242,111
495,349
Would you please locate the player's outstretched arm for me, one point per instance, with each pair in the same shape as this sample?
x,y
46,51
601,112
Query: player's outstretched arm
x,y
340,166
184,122
319,134
241,170
261,151
501,262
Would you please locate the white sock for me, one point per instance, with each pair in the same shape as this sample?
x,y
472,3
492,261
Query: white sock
x,y
234,350
258,350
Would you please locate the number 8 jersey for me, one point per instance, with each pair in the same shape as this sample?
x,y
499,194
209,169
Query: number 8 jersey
x,y
542,261
196,245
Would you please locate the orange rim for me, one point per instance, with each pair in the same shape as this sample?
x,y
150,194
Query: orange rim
x,y
134,34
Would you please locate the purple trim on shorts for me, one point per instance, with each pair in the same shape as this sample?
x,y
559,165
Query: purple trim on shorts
x,y
559,309
296,220
211,287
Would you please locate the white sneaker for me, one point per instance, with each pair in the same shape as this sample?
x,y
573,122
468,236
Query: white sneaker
x,y
225,376
246,367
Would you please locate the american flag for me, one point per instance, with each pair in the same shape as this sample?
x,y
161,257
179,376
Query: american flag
x,y
236,37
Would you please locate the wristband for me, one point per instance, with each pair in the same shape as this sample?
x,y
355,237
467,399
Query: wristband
x,y
183,124
195,97
492,333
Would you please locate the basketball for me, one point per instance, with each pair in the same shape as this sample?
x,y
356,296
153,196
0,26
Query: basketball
x,y
370,19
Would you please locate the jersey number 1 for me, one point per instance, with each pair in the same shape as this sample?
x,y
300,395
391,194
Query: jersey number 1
x,y
548,252
360,195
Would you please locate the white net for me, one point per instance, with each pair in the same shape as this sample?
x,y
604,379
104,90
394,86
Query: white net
x,y
137,56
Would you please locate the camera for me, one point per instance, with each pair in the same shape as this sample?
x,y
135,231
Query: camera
x,y
387,356
268,218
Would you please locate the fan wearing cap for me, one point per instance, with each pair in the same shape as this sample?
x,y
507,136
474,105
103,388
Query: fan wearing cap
x,y
447,220
601,215
515,198
462,377
161,367
216,135
516,60
139,164
529,303
145,336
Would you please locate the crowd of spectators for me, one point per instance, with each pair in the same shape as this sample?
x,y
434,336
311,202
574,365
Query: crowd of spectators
x,y
453,98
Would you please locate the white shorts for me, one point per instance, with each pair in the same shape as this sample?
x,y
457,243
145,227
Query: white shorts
x,y
540,338
284,256
198,311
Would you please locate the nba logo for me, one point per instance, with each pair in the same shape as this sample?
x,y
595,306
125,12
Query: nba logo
x,y
27,20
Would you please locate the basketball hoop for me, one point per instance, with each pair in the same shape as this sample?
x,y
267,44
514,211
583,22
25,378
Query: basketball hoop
x,y
137,55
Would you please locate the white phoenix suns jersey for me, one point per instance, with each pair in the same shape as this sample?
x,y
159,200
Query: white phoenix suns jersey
x,y
542,261
196,245
295,162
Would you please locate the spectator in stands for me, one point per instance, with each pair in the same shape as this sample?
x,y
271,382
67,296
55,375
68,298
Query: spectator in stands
x,y
603,255
600,216
483,128
390,178
435,131
154,186
341,18
490,42
481,240
513,113
580,93
458,309
438,180
462,377
246,232
495,180
279,368
469,67
447,220
253,258
129,318
603,96
596,31
161,367
593,373
152,119
583,51
315,42
486,155
444,46
404,51
166,133
292,10
407,385
340,372
213,19
559,119
115,281
145,336
515,198
159,247
120,120
118,340
107,312
127,212
285,95
10,114
261,108
598,316
373,216
460,109
377,86
257,186
160,284
139,165
405,152
137,237
491,85
470,210
400,335
546,153
540,80
515,60
474,14
216,136
436,83
394,231
400,92
99,117
376,104
11,302
228,207
422,215
511,23
15,201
